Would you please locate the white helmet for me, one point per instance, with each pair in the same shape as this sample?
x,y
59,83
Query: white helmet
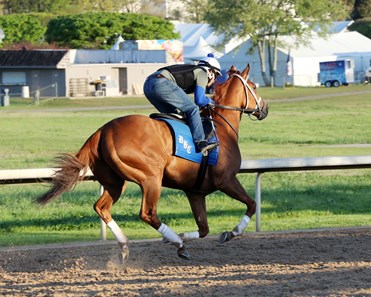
x,y
210,62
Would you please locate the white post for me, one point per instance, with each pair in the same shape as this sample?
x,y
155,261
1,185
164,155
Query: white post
x,y
56,90
103,226
258,200
5,100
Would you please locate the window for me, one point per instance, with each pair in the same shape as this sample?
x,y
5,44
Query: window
x,y
14,78
349,65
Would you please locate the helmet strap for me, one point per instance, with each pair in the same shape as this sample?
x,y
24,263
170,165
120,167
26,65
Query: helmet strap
x,y
210,74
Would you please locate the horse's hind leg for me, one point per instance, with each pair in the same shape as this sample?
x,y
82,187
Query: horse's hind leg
x,y
151,190
103,206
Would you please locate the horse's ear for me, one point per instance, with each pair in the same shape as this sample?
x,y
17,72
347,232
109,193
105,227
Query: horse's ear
x,y
245,73
232,70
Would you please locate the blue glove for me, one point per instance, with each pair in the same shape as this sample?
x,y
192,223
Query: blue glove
x,y
200,97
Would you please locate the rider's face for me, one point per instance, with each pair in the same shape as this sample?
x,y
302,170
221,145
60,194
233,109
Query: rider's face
x,y
211,78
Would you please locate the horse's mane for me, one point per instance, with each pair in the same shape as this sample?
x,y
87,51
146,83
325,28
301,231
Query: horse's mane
x,y
221,88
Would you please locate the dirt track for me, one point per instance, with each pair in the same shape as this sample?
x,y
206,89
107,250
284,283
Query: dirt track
x,y
318,263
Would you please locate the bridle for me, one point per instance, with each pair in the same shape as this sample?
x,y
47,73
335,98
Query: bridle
x,y
246,110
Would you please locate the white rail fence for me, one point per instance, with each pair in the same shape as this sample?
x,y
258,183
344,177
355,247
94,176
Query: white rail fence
x,y
18,176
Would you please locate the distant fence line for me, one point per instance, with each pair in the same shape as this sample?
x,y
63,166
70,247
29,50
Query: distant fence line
x,y
18,176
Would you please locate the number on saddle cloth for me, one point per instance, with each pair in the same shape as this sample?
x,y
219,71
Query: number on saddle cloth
x,y
183,142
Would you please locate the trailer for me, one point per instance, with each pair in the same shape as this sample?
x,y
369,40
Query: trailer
x,y
336,73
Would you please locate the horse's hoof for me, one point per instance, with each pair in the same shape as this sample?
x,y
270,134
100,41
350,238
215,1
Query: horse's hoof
x,y
124,255
183,253
225,236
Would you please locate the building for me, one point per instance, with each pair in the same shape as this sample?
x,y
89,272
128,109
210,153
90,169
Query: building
x,y
77,73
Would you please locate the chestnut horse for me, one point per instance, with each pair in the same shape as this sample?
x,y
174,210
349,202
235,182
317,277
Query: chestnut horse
x,y
139,149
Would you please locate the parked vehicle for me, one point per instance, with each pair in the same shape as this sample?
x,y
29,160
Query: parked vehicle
x,y
336,73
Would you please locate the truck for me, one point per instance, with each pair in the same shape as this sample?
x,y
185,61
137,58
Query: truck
x,y
336,73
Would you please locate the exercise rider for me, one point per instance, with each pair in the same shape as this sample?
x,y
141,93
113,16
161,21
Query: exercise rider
x,y
167,90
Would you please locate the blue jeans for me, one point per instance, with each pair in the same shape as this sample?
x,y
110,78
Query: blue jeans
x,y
167,96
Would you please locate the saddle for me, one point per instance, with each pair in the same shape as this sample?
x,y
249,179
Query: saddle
x,y
206,122
183,142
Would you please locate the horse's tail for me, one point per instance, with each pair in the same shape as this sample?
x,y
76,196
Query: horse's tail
x,y
71,169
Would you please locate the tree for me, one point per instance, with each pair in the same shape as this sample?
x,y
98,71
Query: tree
x,y
362,26
349,5
98,30
79,6
60,7
195,10
22,28
27,6
133,6
362,9
264,21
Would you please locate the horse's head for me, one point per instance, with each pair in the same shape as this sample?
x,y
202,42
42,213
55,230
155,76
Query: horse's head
x,y
239,93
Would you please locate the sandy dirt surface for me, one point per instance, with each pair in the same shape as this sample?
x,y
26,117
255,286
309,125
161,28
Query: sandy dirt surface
x,y
315,263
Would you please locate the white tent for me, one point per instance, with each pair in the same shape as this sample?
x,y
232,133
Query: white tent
x,y
199,39
198,51
118,44
2,35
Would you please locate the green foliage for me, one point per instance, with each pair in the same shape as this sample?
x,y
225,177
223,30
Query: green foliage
x,y
195,11
362,26
362,9
22,28
98,30
68,6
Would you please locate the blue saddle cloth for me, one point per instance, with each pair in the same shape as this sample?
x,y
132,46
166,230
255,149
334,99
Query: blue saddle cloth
x,y
184,145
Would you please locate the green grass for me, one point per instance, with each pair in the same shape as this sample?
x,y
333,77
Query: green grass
x,y
298,92
32,135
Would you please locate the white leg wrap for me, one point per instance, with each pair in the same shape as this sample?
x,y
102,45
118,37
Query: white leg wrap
x,y
120,236
170,235
240,228
190,235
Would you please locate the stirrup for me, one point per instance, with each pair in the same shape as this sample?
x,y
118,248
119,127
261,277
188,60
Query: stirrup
x,y
204,147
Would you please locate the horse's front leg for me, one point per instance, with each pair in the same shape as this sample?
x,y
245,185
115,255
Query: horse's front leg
x,y
235,190
198,206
